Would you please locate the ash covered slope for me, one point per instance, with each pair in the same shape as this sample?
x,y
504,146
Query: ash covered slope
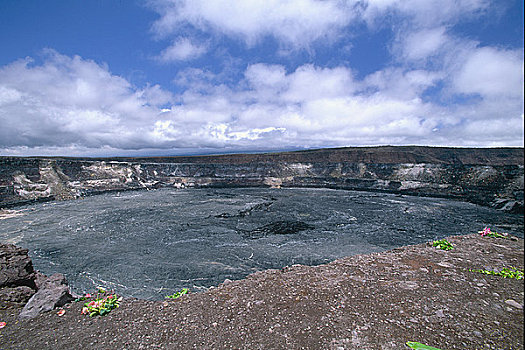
x,y
488,176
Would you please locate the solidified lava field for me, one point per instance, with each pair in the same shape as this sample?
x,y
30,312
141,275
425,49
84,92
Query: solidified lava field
x,y
148,244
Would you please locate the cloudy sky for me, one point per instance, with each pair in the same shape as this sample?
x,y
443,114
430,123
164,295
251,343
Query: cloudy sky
x,y
170,77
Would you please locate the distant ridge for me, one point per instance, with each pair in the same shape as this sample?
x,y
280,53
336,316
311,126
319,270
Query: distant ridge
x,y
366,155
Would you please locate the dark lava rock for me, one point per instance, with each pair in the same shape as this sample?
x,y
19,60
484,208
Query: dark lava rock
x,y
40,279
16,268
19,282
17,295
278,228
53,293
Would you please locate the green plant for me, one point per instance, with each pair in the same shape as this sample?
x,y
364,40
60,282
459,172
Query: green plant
x,y
178,294
486,232
418,346
84,297
497,235
102,304
443,244
511,272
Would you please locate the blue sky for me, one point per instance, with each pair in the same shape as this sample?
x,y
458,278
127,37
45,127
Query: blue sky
x,y
169,77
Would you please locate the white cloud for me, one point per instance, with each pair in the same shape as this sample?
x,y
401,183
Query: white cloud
x,y
182,49
68,101
295,23
492,73
309,83
420,26
8,95
401,83
313,106
424,43
76,105
263,75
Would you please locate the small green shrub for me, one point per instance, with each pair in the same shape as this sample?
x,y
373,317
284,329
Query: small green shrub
x,y
486,232
418,346
443,244
101,305
511,272
178,294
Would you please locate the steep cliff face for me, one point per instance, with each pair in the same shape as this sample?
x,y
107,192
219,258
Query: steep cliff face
x,y
484,176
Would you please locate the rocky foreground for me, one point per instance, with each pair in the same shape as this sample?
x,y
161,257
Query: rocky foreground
x,y
376,301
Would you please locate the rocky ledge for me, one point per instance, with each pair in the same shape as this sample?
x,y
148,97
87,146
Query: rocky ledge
x,y
375,301
486,176
22,286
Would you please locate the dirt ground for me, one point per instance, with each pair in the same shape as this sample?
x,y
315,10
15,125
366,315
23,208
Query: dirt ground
x,y
376,301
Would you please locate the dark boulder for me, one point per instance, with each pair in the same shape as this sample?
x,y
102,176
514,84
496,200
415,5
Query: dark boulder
x,y
53,293
40,279
21,284
16,268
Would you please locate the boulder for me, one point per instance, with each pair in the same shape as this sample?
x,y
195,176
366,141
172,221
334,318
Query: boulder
x,y
19,282
40,279
53,293
16,268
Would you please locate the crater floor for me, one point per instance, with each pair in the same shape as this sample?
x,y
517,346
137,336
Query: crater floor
x,y
148,244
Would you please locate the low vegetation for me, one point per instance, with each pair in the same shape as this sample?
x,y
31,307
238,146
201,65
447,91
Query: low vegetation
x,y
443,244
178,294
511,272
102,304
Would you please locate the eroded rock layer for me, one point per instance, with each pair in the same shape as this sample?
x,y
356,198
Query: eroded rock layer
x,y
491,177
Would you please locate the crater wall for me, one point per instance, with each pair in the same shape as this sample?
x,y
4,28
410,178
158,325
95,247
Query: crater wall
x,y
486,176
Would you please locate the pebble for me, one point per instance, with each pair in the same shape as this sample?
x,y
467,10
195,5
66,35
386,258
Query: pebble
x,y
513,303
444,264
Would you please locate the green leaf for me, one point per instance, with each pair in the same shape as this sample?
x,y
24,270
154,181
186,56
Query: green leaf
x,y
443,244
178,294
505,272
419,346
